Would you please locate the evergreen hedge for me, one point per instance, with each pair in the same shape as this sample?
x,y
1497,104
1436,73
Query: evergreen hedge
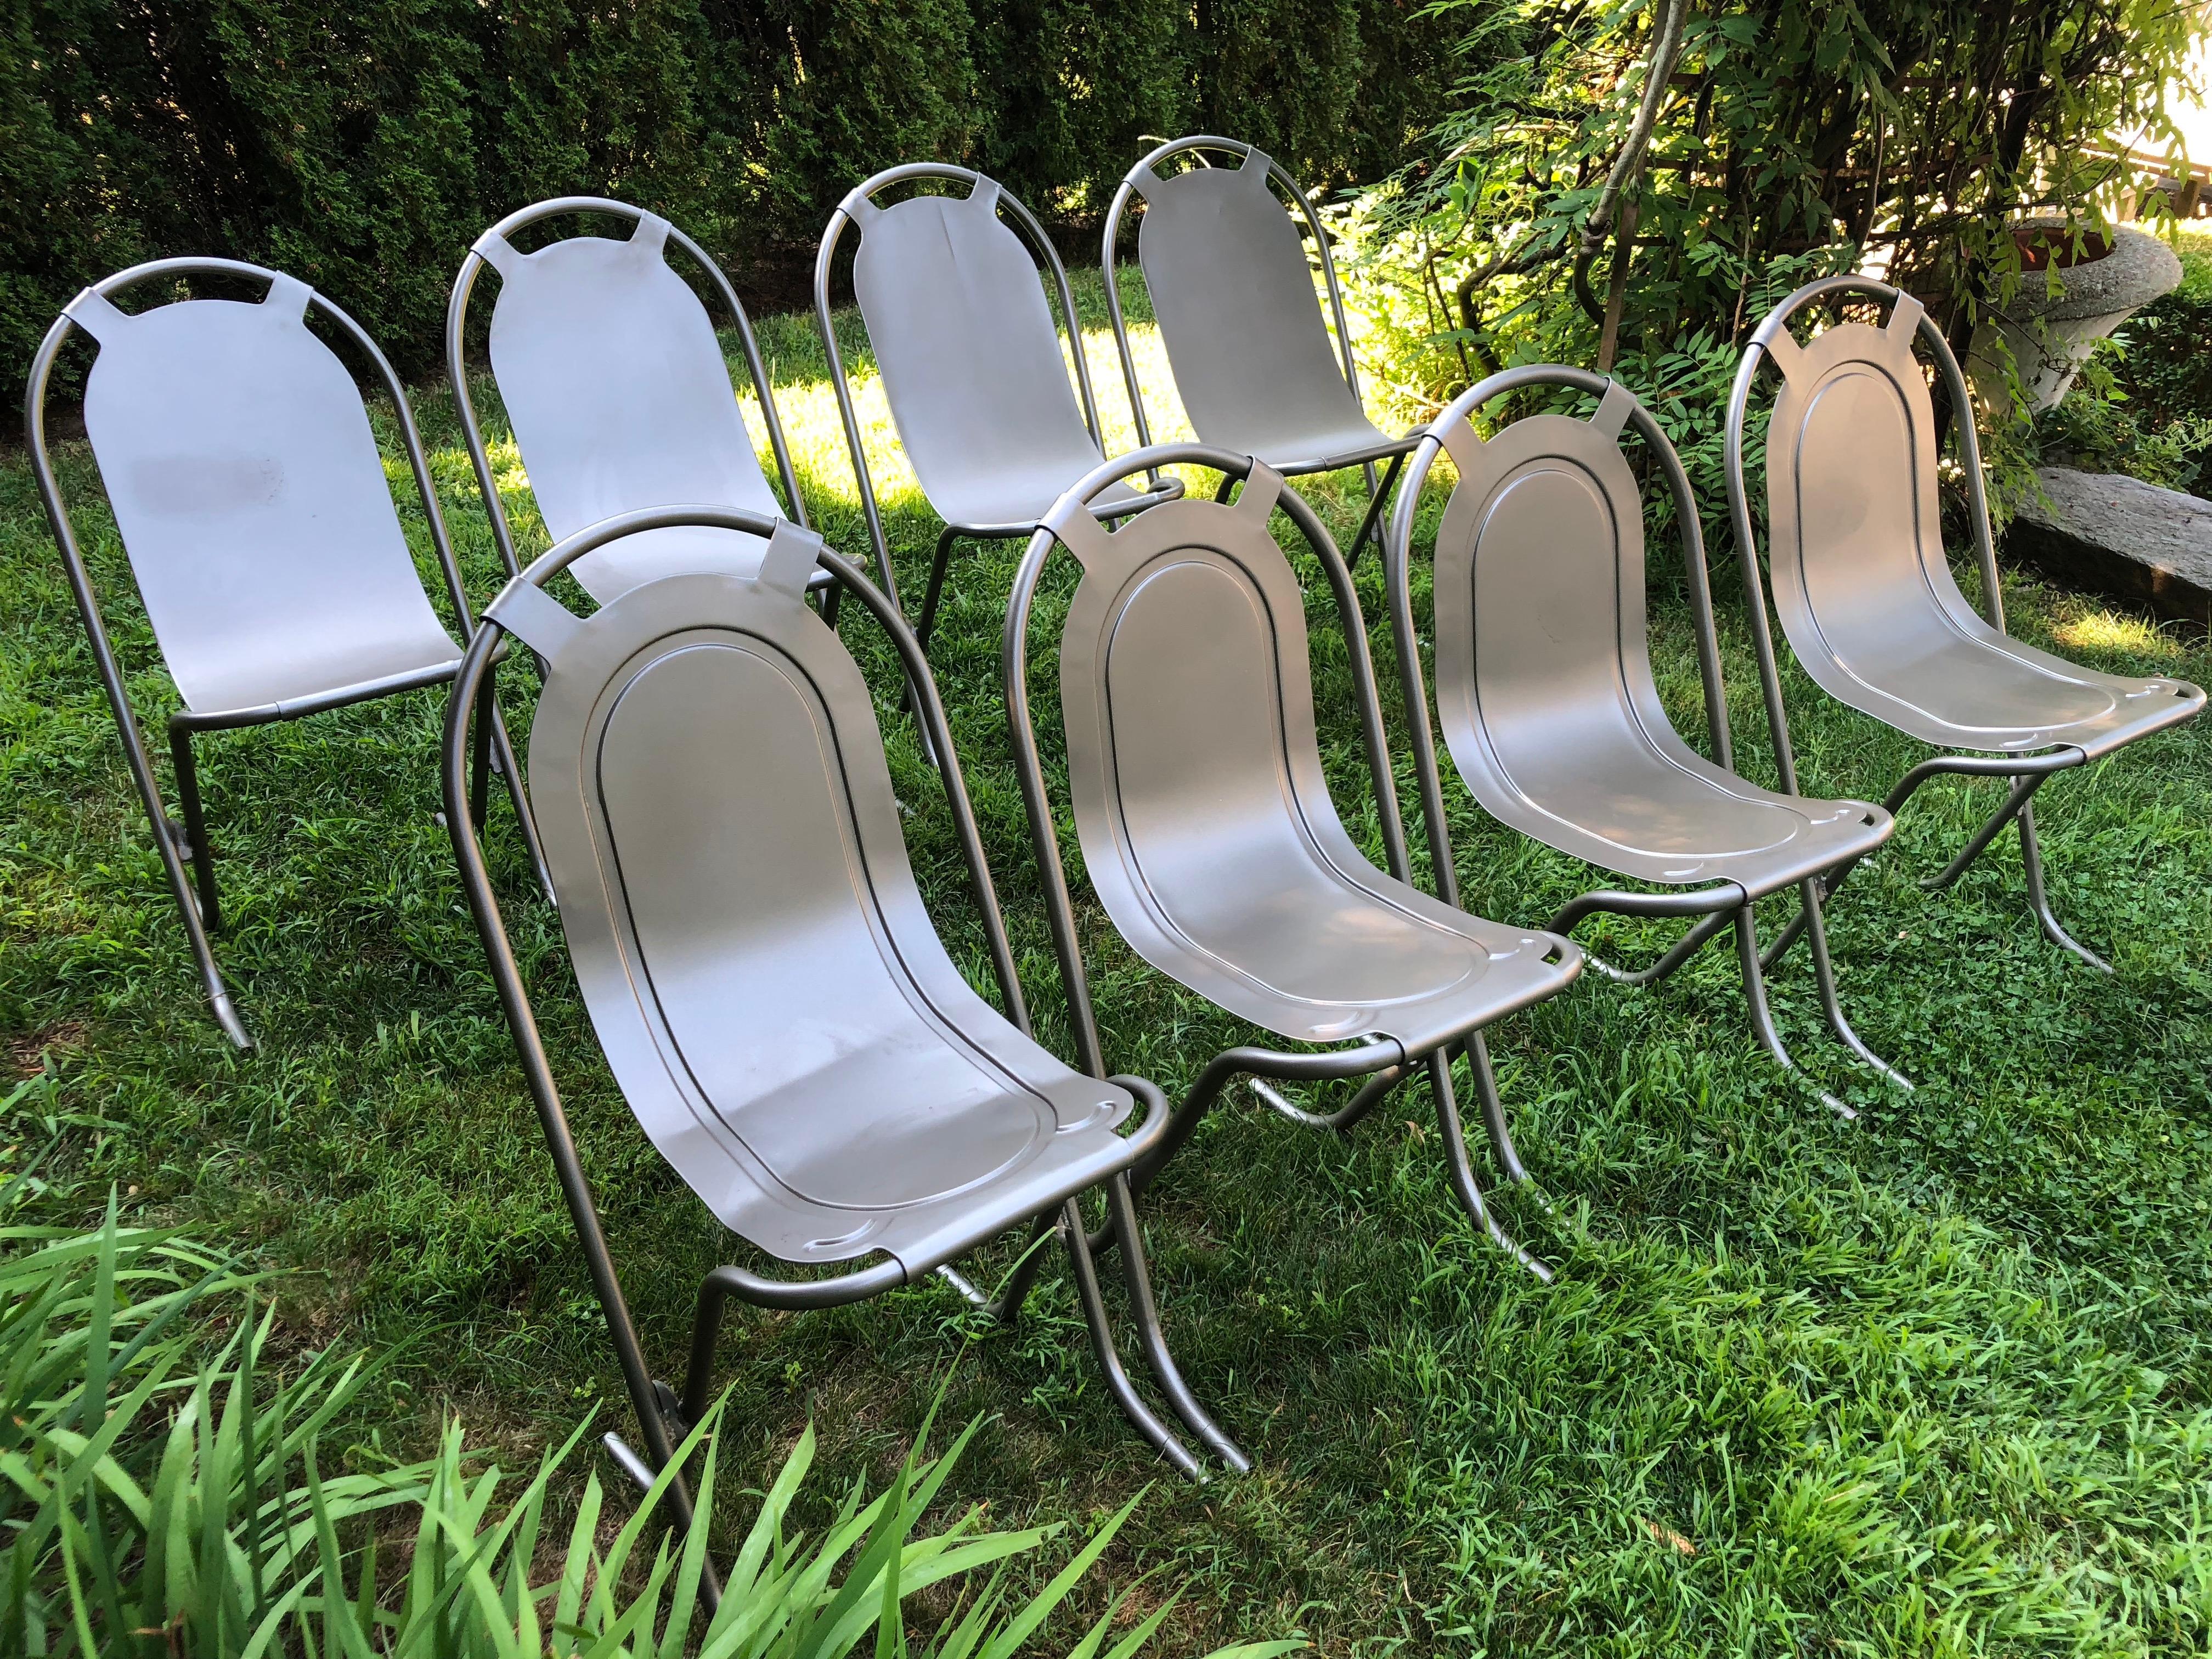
x,y
363,146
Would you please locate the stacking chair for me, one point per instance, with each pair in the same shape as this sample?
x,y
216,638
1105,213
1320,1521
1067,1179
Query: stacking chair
x,y
619,393
948,286
1545,691
1233,295
1208,829
769,992
1866,595
236,453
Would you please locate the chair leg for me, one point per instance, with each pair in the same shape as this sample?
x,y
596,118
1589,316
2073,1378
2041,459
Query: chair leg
x,y
1762,1018
511,769
2030,855
1378,496
480,757
2015,803
1137,1277
1147,1421
1493,1110
1825,973
188,792
1008,1308
1462,1170
936,590
188,907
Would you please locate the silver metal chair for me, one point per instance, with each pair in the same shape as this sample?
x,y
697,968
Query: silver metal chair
x,y
1233,294
617,391
1866,595
1207,826
760,972
949,289
237,457
1545,691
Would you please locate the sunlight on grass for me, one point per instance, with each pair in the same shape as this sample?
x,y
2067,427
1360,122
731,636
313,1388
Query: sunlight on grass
x,y
1934,1382
2107,630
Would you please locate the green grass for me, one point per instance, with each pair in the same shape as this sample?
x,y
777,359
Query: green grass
x,y
1935,1382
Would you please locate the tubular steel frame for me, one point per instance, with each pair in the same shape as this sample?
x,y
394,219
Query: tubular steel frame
x,y
664,1414
1396,450
1383,1062
2026,772
1728,904
1033,237
197,897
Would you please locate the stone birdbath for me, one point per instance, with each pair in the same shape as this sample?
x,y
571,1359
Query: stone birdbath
x,y
2052,326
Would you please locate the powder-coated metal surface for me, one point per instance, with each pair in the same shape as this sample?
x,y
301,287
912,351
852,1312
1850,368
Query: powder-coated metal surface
x,y
1864,590
1205,822
1233,297
620,399
747,934
237,453
971,363
1544,684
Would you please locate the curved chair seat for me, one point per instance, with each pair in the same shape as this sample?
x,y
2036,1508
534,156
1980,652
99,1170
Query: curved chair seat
x,y
247,486
1207,828
953,289
615,387
1642,810
1232,292
1205,825
1863,587
767,987
749,939
1544,682
1545,691
1865,593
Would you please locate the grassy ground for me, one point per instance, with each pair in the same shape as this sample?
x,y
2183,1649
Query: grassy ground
x,y
1933,1382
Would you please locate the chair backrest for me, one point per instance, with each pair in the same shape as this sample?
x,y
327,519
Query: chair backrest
x,y
725,844
617,391
1544,684
1233,294
1194,765
949,287
1862,582
236,452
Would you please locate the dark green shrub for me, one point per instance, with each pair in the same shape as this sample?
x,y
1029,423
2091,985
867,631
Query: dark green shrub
x,y
364,146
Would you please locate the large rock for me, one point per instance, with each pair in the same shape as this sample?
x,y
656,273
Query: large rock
x,y
2117,535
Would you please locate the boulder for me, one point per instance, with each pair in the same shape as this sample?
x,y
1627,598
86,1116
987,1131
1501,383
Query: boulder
x,y
2114,534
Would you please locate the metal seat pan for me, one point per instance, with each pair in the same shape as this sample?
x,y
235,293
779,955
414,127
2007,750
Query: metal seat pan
x,y
252,500
1205,822
747,934
1865,593
1544,682
971,360
620,399
1234,298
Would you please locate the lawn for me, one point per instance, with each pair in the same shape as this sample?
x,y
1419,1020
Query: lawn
x,y
1933,1382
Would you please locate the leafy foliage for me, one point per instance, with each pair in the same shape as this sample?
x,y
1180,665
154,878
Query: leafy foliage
x,y
1911,129
363,148
155,1506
